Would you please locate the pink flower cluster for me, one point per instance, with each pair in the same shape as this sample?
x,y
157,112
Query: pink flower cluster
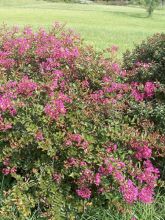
x,y
146,194
138,91
148,91
78,141
111,148
74,162
57,108
111,167
86,178
143,151
5,104
57,177
48,49
84,193
5,60
149,175
116,169
7,169
129,191
26,86
144,65
21,45
39,136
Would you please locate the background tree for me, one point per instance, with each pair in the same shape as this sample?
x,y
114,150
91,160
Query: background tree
x,y
150,5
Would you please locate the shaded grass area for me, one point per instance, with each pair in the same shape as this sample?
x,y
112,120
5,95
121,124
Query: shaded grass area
x,y
100,25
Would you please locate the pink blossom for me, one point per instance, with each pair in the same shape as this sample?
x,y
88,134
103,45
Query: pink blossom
x,y
143,152
5,104
97,96
85,84
39,136
107,79
58,74
116,67
57,177
5,60
77,140
137,95
144,65
123,73
83,163
149,89
26,86
64,98
6,162
13,170
111,148
84,193
110,168
72,162
68,143
55,109
118,176
102,170
97,179
129,191
149,174
6,171
146,195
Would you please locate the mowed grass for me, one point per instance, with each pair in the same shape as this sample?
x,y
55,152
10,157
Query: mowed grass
x,y
100,25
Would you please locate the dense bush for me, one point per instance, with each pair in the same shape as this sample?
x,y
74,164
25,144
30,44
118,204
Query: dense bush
x,y
69,132
147,59
147,63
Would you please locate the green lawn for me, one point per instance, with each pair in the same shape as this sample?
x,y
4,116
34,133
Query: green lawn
x,y
100,25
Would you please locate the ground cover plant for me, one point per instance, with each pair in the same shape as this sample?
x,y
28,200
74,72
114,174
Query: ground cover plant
x,y
100,25
70,133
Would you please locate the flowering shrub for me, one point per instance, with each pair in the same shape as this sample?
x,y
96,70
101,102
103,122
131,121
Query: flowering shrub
x,y
146,63
66,126
147,59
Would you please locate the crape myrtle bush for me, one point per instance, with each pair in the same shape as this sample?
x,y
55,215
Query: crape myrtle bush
x,y
67,132
147,63
150,56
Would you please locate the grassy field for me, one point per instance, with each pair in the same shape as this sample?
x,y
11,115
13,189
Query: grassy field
x,y
100,25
